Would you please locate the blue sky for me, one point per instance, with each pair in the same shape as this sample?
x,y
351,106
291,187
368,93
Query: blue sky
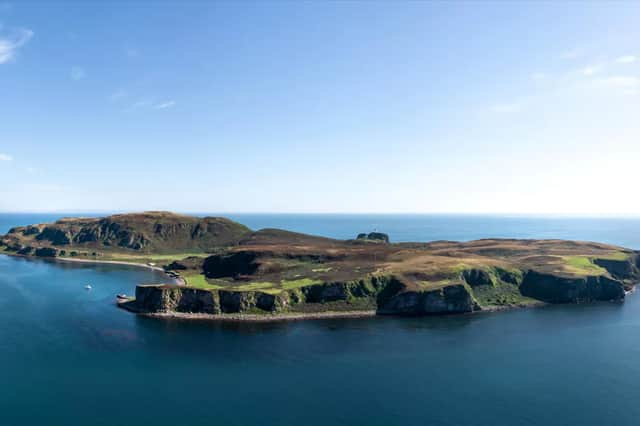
x,y
320,107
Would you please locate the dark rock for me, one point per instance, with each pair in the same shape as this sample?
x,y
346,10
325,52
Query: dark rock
x,y
374,236
198,301
31,230
510,277
244,301
230,265
46,252
235,301
175,266
620,269
54,235
24,250
477,277
557,289
325,292
446,300
191,262
378,236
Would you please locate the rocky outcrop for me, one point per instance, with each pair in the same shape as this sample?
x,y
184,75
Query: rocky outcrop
x,y
192,262
230,265
374,236
247,301
622,269
24,250
451,299
156,232
171,298
477,277
54,235
46,252
386,294
167,298
329,292
558,289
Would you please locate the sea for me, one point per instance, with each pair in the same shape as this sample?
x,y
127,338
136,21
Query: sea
x,y
68,356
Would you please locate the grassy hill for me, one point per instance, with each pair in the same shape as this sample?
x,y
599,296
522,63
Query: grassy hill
x,y
136,235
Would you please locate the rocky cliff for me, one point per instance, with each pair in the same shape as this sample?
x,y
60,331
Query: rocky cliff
x,y
149,232
559,289
385,295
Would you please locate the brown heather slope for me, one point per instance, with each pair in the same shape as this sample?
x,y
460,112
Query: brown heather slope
x,y
231,270
136,233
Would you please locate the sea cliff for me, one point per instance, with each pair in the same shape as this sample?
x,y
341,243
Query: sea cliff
x,y
230,271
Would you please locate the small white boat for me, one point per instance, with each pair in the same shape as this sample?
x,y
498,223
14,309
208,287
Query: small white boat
x,y
87,287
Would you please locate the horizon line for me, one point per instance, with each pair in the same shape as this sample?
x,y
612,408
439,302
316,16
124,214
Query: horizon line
x,y
336,213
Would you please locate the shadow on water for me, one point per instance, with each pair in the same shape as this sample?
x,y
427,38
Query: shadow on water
x,y
448,322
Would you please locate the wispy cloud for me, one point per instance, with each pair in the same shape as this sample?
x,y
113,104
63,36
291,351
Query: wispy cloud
x,y
10,43
507,108
143,103
628,59
164,105
5,157
150,103
77,73
591,70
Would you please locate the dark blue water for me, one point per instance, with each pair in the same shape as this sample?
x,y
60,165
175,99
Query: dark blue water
x,y
70,357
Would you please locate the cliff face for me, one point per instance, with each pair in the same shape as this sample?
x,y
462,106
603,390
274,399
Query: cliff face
x,y
621,275
386,295
622,269
152,232
558,289
452,299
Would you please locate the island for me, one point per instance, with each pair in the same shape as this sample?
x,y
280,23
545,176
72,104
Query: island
x,y
225,270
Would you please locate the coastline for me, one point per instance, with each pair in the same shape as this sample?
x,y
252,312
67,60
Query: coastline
x,y
263,317
178,281
250,317
236,317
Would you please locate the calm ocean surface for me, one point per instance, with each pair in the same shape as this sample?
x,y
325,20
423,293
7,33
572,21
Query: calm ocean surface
x,y
70,357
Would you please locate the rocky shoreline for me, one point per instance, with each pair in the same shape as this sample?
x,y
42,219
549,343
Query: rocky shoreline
x,y
193,316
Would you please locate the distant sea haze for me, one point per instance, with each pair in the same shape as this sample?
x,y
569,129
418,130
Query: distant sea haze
x,y
621,231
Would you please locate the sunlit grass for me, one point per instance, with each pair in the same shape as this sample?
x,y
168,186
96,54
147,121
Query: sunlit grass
x,y
199,281
582,265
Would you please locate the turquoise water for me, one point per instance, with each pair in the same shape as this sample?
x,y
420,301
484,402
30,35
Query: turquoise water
x,y
69,357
